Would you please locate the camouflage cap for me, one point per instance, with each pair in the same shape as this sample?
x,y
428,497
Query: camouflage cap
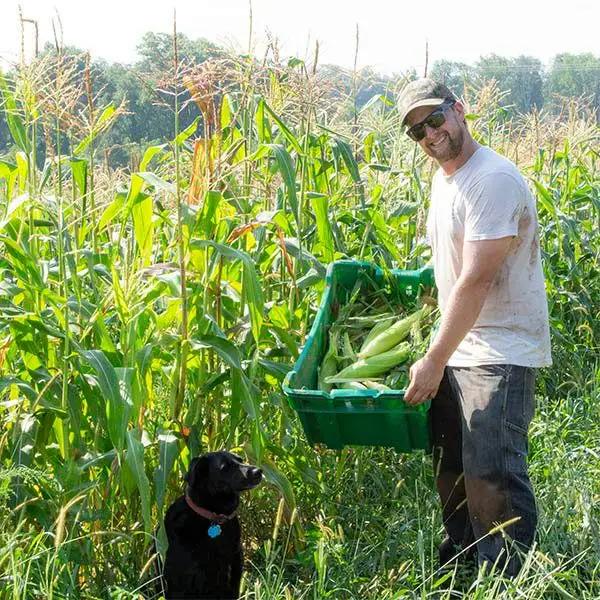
x,y
422,92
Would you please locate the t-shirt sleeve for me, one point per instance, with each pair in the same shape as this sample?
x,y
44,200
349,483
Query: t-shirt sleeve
x,y
493,207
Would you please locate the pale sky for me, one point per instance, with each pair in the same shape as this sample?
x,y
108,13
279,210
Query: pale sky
x,y
392,35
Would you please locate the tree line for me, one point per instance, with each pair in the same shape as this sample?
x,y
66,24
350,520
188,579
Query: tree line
x,y
525,83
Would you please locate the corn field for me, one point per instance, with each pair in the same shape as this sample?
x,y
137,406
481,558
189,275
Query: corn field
x,y
150,314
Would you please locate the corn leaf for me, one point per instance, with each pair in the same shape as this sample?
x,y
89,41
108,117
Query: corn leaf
x,y
285,165
8,172
149,154
112,210
320,206
143,227
103,122
252,287
240,385
79,169
12,208
262,124
291,138
168,450
343,150
228,351
13,119
135,460
22,170
118,408
187,132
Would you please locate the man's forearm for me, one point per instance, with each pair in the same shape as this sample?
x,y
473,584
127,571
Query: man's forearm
x,y
464,305
481,262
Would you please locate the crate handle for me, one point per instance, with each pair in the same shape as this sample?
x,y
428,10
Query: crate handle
x,y
286,381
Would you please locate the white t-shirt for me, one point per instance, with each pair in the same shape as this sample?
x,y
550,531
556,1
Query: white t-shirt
x,y
486,199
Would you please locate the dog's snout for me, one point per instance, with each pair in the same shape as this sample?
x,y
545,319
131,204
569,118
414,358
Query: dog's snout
x,y
255,473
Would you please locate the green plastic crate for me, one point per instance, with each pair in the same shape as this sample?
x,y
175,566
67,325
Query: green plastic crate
x,y
356,417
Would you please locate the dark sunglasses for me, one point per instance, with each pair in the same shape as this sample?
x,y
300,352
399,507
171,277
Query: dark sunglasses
x,y
436,119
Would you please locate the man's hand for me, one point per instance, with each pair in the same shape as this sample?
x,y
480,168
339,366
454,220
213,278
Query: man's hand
x,y
425,377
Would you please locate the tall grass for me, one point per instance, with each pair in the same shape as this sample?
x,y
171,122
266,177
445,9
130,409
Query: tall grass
x,y
151,315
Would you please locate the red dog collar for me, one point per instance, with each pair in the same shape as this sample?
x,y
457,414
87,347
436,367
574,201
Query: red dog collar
x,y
207,514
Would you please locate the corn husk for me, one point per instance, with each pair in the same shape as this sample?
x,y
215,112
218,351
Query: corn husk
x,y
372,366
378,328
393,335
329,366
374,385
353,385
397,379
347,347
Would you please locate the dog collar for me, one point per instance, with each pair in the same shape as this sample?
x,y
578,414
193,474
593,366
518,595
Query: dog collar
x,y
207,514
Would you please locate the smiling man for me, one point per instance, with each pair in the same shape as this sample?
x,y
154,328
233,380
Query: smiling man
x,y
480,369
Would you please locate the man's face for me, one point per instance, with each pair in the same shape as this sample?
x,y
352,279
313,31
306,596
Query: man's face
x,y
443,143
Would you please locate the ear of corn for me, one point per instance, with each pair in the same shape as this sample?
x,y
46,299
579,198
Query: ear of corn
x,y
378,328
364,321
415,333
373,366
392,335
353,385
374,385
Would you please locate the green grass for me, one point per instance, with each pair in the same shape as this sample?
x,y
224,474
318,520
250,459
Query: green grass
x,y
371,521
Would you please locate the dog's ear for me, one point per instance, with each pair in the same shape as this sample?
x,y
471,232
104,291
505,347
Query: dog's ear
x,y
198,470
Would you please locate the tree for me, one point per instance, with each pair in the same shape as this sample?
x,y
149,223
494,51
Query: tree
x,y
527,84
453,75
521,77
156,51
575,75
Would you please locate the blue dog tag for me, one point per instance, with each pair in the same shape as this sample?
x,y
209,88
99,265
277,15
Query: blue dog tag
x,y
214,530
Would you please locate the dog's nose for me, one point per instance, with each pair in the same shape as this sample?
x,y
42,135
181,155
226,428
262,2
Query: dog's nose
x,y
255,473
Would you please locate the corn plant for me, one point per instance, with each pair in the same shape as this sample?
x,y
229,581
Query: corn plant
x,y
151,315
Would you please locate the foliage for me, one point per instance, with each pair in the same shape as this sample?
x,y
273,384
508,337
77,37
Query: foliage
x,y
529,87
521,76
575,75
151,315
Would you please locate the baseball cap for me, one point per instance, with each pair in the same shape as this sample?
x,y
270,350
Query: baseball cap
x,y
422,92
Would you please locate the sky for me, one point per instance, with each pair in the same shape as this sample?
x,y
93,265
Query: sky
x,y
393,34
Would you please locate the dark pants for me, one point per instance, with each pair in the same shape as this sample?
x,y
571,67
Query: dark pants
x,y
480,419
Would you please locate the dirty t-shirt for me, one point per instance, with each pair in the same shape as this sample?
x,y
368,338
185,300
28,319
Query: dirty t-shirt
x,y
487,199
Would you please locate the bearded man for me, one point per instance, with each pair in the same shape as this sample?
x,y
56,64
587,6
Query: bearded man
x,y
480,369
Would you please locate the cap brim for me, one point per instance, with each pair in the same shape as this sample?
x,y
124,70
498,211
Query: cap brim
x,y
424,102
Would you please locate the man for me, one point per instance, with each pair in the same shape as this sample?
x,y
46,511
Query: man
x,y
493,334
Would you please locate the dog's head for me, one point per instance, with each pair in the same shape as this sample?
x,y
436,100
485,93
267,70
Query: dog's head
x,y
221,473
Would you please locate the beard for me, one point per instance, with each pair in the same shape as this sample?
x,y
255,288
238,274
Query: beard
x,y
450,147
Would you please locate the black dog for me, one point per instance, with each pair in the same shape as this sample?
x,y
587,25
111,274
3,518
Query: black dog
x,y
204,558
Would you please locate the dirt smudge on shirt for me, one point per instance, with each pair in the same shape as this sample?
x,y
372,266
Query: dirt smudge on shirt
x,y
523,227
534,249
500,283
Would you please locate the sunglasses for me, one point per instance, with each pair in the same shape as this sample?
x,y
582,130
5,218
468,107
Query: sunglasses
x,y
436,119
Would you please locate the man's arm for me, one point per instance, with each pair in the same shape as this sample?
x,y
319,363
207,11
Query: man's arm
x,y
481,262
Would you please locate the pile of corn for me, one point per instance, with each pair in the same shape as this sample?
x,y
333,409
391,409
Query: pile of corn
x,y
368,345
